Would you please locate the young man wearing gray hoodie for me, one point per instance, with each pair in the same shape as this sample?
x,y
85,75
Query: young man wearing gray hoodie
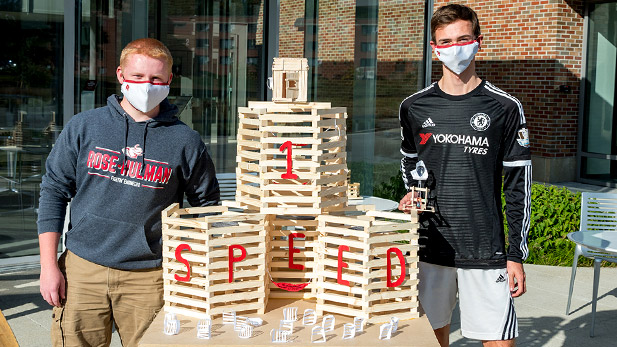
x,y
119,165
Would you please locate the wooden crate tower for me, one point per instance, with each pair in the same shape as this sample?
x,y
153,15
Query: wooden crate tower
x,y
214,236
303,258
369,239
289,78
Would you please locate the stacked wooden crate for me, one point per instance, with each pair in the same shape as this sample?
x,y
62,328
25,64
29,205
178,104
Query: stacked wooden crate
x,y
292,158
198,282
363,286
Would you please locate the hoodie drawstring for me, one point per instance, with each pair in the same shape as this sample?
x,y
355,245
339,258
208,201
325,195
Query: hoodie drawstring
x,y
143,156
126,140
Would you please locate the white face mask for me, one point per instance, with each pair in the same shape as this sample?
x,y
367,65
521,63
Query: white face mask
x,y
144,95
458,56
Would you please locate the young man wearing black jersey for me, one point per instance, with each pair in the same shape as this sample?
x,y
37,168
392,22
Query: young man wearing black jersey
x,y
468,133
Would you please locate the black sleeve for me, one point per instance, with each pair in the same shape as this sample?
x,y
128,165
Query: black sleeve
x,y
517,184
408,147
202,188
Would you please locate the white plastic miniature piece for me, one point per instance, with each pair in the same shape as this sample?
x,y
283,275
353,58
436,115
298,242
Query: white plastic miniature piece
x,y
204,328
358,322
309,317
290,313
240,322
246,331
328,323
320,333
256,322
286,325
394,323
385,331
279,336
349,331
172,324
229,317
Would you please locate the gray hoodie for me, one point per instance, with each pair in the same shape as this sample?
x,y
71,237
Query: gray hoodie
x,y
120,174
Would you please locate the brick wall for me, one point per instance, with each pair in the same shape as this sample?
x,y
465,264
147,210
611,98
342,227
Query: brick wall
x,y
291,29
530,49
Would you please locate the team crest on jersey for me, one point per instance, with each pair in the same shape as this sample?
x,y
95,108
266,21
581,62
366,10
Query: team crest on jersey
x,y
133,152
523,137
480,121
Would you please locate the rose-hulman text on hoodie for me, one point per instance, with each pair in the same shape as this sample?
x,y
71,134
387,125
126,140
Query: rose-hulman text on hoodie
x,y
119,175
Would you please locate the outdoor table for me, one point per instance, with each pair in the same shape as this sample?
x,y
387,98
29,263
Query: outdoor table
x,y
414,332
599,241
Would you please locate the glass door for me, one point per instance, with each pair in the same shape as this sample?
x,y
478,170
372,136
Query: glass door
x,y
599,140
31,75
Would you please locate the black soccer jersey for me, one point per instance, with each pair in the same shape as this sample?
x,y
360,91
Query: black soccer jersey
x,y
466,142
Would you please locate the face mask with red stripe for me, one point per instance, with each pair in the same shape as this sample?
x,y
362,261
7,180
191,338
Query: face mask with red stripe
x,y
458,56
144,95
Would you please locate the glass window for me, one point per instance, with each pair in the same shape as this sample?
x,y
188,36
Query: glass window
x,y
366,56
600,129
31,80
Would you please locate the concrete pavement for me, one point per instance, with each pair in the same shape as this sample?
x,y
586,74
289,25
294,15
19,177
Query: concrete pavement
x,y
541,311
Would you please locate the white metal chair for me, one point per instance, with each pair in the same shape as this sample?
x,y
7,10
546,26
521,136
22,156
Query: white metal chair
x,y
394,323
278,336
358,323
286,325
598,213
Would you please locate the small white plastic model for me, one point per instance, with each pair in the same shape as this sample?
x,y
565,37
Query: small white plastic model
x,y
240,322
246,331
204,328
256,322
290,313
358,322
349,331
309,317
394,323
277,336
171,324
229,317
328,323
318,334
286,325
385,331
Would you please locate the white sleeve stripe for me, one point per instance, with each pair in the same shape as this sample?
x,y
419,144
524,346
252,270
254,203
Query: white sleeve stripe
x,y
405,178
409,155
498,91
418,92
527,213
515,163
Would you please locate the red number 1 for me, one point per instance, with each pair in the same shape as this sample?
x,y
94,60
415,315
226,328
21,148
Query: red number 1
x,y
288,175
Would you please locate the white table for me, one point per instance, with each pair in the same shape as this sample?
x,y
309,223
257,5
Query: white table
x,y
381,204
600,241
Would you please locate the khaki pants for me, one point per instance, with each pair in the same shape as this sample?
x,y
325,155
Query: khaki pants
x,y
97,295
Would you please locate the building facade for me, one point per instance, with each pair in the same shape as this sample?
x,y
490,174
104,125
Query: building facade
x,y
557,56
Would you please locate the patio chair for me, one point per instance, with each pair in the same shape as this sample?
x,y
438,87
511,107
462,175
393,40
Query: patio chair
x,y
598,213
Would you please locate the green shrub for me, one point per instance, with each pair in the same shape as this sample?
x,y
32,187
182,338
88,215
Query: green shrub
x,y
555,212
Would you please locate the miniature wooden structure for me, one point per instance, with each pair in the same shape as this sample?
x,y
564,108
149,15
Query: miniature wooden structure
x,y
291,158
420,199
204,274
355,271
353,191
289,76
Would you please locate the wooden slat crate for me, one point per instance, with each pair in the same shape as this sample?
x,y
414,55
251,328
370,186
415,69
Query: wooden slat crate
x,y
279,229
368,236
209,232
310,181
